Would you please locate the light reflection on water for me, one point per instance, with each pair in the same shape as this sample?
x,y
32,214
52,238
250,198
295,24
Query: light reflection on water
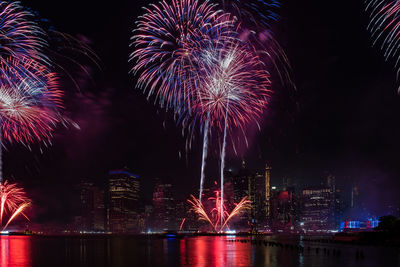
x,y
204,251
15,251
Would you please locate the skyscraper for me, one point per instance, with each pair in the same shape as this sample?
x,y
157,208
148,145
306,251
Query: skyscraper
x,y
92,209
124,188
257,196
268,190
164,207
99,211
241,184
318,213
86,214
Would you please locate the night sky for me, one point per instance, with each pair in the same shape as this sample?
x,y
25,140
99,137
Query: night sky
x,y
342,117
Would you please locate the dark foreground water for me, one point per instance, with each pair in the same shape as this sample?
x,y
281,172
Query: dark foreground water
x,y
26,251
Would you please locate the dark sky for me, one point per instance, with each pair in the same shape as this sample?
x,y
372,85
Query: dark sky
x,y
342,118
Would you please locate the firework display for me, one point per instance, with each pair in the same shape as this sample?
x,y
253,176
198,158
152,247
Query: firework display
x,y
167,41
192,58
255,12
384,27
233,89
30,98
28,103
213,217
255,27
20,36
13,202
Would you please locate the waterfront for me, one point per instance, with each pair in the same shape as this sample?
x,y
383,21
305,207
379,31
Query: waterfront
x,y
201,251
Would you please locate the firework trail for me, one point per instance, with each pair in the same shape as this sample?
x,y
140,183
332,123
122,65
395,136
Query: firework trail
x,y
204,157
214,218
169,39
233,87
223,152
182,223
13,202
233,90
30,100
189,56
384,26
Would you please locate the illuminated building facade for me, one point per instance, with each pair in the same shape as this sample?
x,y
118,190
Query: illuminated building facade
x,y
124,189
241,184
318,211
257,196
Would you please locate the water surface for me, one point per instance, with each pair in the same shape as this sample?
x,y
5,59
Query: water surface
x,y
203,251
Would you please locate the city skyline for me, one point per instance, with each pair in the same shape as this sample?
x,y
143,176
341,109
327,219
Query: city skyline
x,y
323,206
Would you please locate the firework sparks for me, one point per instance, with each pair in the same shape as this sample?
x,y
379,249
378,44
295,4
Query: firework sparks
x,y
29,103
233,86
255,12
189,55
254,25
213,217
20,37
182,223
233,90
198,208
166,41
13,202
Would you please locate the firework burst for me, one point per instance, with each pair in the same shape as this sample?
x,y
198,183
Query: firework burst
x,y
20,37
233,87
29,102
232,90
192,58
13,202
167,39
254,25
213,216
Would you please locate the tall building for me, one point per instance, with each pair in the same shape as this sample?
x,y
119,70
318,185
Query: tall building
x,y
259,185
283,209
124,189
163,208
99,211
268,190
92,211
318,212
257,196
241,185
335,204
